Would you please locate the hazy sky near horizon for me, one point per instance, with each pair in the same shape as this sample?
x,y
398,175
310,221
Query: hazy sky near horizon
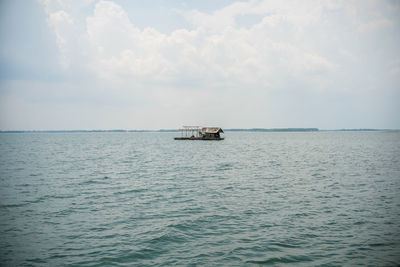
x,y
123,64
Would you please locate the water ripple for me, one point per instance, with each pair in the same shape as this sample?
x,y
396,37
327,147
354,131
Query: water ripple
x,y
124,199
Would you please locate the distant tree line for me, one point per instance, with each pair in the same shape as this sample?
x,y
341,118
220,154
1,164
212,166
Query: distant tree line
x,y
275,130
226,130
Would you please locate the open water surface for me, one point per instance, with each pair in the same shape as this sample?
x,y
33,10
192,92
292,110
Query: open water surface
x,y
123,199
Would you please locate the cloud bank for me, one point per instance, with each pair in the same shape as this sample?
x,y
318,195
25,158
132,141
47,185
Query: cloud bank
x,y
327,64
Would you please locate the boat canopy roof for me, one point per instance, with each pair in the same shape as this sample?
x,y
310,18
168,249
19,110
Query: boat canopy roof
x,y
204,130
191,128
212,130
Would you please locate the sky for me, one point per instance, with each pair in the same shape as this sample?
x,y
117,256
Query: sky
x,y
96,64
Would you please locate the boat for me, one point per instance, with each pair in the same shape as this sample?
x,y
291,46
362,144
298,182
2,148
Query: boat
x,y
200,133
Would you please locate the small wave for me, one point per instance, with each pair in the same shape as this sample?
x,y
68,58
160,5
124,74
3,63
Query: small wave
x,y
225,167
23,185
14,205
137,190
37,200
274,260
167,238
95,181
36,260
286,244
129,258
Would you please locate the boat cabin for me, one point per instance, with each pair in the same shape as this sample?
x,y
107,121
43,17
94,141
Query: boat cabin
x,y
200,133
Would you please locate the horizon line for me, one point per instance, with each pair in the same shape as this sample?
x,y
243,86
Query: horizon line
x,y
290,129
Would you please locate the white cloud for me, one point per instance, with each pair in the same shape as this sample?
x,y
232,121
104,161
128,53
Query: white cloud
x,y
213,53
292,50
65,19
60,21
375,25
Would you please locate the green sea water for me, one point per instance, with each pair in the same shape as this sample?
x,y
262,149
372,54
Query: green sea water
x,y
128,199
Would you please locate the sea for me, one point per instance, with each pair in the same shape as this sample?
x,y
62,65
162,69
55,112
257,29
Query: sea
x,y
145,199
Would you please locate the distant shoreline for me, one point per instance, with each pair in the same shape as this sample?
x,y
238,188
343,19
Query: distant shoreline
x,y
226,130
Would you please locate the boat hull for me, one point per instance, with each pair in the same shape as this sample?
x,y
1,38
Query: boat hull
x,y
199,138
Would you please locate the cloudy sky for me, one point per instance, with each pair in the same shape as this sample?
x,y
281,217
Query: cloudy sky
x,y
122,64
